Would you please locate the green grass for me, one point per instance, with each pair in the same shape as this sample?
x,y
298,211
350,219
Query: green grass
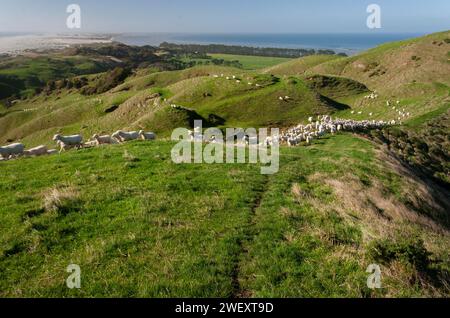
x,y
141,226
301,65
27,74
251,62
140,237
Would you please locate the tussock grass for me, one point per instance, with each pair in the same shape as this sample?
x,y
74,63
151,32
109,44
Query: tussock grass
x,y
61,199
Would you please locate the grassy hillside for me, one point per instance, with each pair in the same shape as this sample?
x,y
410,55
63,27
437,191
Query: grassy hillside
x,y
144,98
315,85
395,66
301,65
21,76
140,226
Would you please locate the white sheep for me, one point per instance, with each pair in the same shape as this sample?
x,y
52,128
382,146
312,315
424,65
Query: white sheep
x,y
12,150
74,140
103,140
37,151
147,135
90,144
64,147
122,136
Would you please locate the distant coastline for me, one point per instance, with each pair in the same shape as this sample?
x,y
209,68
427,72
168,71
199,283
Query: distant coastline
x,y
340,43
15,43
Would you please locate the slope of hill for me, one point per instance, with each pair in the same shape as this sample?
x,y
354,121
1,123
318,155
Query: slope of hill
x,y
143,95
22,76
301,65
395,66
140,226
149,91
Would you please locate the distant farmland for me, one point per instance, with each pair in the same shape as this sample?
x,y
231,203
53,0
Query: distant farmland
x,y
252,62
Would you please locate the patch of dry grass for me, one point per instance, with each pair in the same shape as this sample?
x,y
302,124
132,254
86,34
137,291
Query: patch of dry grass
x,y
298,193
60,199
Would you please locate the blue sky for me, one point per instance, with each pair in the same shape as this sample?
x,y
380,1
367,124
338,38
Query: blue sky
x,y
226,16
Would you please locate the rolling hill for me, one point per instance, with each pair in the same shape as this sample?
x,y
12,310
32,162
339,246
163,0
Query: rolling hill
x,y
141,226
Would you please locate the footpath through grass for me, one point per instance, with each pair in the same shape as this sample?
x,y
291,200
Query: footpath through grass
x,y
137,224
140,226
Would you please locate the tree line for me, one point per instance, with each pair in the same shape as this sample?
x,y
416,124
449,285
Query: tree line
x,y
242,50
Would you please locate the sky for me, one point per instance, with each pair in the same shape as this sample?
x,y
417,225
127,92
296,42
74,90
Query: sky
x,y
225,16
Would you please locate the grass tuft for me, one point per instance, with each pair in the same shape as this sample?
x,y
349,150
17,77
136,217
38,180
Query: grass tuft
x,y
61,200
129,157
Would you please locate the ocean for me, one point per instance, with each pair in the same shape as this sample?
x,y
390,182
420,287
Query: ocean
x,y
346,43
341,43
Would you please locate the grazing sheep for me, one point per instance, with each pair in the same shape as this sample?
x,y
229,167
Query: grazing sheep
x,y
147,136
74,140
324,125
197,130
122,136
196,135
90,144
12,150
247,140
64,147
103,140
37,151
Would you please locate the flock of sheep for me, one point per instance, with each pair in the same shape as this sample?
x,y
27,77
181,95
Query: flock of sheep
x,y
70,142
325,125
402,113
315,129
235,78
